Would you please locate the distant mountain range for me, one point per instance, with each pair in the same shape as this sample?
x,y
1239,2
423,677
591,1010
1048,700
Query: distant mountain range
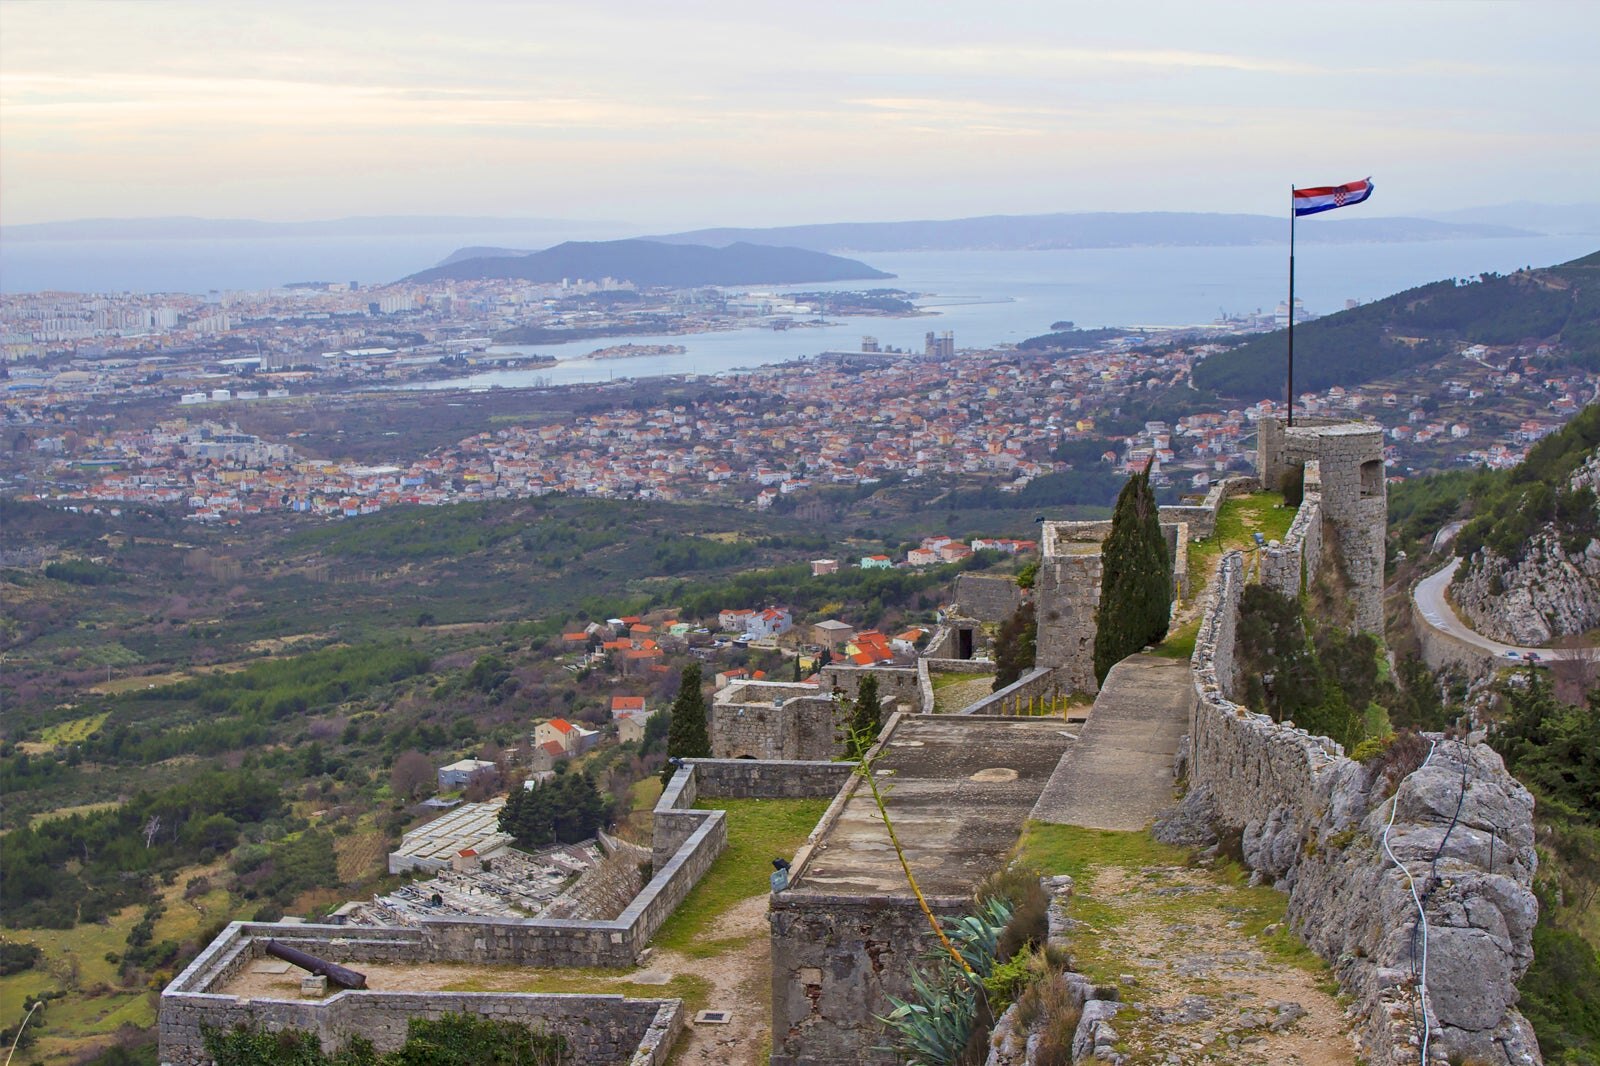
x,y
656,263
1090,230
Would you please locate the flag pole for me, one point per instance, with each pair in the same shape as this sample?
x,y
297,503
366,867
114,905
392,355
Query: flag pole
x,y
1291,305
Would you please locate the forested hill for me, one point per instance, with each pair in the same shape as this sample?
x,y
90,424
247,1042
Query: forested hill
x,y
1558,305
652,263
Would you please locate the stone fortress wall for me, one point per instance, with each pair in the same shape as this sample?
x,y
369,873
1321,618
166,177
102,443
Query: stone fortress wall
x,y
1353,495
986,598
776,720
601,1028
1068,585
1318,824
1288,565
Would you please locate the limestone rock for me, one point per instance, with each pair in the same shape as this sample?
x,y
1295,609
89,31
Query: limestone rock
x,y
1548,595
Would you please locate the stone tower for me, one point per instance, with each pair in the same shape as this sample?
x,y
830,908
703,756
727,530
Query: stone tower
x,y
1354,495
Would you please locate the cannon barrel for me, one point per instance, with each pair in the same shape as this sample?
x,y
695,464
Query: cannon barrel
x,y
339,975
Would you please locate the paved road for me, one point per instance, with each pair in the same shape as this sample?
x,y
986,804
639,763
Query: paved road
x,y
1119,774
1429,596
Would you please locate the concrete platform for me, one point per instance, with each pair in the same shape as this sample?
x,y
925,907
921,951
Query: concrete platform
x,y
959,791
1119,774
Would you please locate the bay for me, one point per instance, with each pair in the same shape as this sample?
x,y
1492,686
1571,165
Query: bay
x,y
989,298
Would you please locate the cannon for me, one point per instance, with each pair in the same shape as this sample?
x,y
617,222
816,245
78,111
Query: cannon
x,y
336,974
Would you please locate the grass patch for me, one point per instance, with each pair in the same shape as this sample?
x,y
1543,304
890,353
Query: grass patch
x,y
1180,642
1237,519
72,732
758,831
1068,849
943,679
68,812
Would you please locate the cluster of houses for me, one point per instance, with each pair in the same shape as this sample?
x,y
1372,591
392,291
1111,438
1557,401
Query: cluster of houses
x,y
936,550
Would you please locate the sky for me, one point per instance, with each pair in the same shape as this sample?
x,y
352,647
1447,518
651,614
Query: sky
x,y
690,114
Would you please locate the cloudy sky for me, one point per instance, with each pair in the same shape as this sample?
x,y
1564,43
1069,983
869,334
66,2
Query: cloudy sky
x,y
753,113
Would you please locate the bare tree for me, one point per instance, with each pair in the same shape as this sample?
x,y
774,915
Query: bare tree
x,y
413,774
151,828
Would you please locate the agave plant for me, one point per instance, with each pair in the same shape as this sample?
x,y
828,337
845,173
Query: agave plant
x,y
932,1028
977,936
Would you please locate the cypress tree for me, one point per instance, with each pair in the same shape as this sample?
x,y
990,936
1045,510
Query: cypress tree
x,y
686,733
1135,578
867,719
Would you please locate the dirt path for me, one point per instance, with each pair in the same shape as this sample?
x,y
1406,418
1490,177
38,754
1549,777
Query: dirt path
x,y
741,983
1206,970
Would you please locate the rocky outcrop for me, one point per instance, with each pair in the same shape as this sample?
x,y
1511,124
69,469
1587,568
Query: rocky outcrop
x,y
1462,841
1546,595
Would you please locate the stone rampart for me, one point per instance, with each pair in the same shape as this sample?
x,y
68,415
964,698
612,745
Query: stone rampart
x,y
1354,495
1318,824
1034,687
987,598
1201,518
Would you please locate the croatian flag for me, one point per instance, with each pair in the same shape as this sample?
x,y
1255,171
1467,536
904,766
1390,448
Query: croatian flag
x,y
1328,197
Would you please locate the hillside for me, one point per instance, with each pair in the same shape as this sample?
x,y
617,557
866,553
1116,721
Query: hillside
x,y
1555,305
654,263
1532,574
1103,229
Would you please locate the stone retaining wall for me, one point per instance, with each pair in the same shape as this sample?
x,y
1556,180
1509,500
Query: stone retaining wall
x,y
757,779
1314,822
1442,651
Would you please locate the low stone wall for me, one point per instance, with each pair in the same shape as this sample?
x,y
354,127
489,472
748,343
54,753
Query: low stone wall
x,y
1315,823
1037,684
927,667
598,1029
1202,517
755,779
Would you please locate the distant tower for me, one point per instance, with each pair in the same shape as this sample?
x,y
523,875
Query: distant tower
x,y
870,344
1354,494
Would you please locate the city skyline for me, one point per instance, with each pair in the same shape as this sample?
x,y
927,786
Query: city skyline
x,y
761,117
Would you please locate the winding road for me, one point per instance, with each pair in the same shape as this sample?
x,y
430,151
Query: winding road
x,y
1429,596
